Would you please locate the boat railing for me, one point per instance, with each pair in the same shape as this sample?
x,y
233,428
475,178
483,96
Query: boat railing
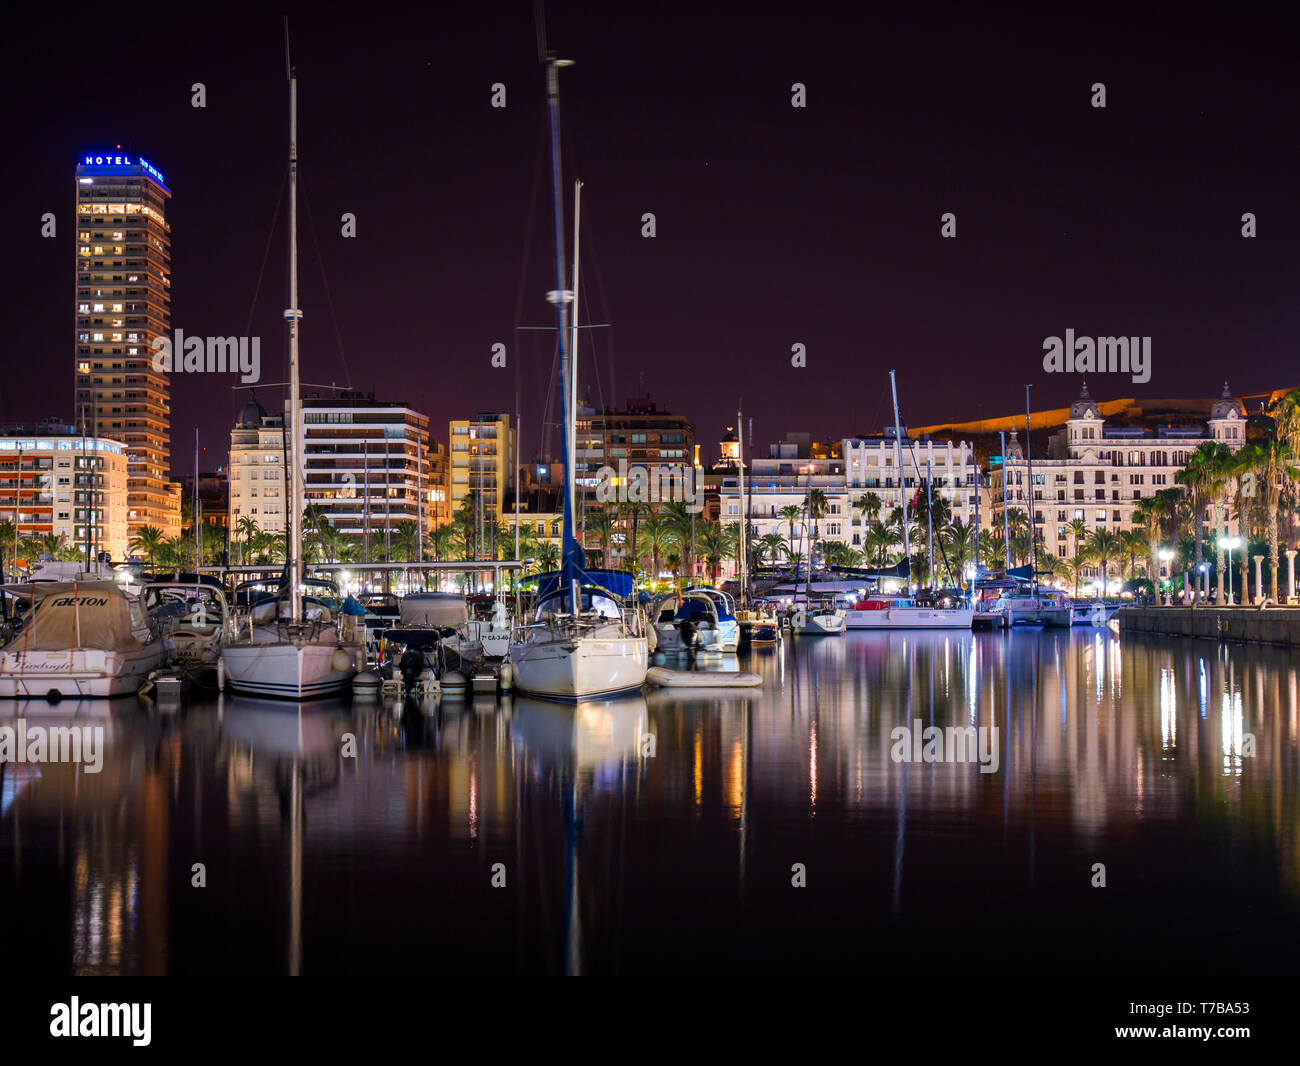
x,y
630,618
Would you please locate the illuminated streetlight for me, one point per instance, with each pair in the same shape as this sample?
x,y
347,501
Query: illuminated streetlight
x,y
1229,543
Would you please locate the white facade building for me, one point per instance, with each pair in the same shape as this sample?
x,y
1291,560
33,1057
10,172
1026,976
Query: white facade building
x,y
1100,473
859,466
258,448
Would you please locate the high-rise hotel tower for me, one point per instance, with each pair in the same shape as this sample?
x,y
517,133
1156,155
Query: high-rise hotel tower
x,y
123,300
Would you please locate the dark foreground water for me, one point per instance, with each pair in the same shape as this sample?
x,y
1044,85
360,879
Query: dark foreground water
x,y
1135,755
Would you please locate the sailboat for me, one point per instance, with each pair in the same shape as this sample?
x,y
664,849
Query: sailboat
x,y
757,624
290,647
582,642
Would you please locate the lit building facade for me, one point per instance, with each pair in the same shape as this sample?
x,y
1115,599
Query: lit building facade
x,y
1098,473
639,435
367,466
482,461
52,481
437,493
123,302
846,471
258,452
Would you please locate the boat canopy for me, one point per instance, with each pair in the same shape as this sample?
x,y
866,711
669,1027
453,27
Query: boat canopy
x,y
619,582
434,609
591,599
83,614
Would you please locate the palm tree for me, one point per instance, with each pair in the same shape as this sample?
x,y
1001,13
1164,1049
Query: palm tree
x,y
601,526
442,541
1103,545
632,509
8,543
548,556
869,504
245,530
1133,544
958,539
406,541
681,520
1203,476
1079,530
1285,412
1149,513
791,513
877,540
1272,464
992,549
840,554
1073,569
817,506
769,546
932,513
658,534
673,562
1017,524
147,540
714,546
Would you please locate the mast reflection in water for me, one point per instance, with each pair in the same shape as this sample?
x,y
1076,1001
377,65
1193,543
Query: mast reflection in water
x,y
661,833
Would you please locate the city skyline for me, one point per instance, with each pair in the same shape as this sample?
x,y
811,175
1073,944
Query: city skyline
x,y
1104,221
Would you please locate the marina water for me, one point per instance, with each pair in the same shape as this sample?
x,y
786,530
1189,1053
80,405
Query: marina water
x,y
768,830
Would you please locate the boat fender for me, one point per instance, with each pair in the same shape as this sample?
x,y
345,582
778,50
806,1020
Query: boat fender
x,y
340,660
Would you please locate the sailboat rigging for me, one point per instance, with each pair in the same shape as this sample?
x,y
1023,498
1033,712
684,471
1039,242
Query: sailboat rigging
x,y
288,648
582,642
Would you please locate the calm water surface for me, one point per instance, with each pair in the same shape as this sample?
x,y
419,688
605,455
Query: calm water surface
x,y
1133,754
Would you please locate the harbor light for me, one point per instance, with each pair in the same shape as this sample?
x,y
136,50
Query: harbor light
x,y
1229,543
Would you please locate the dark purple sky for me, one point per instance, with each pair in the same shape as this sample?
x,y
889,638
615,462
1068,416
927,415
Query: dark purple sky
x,y
775,225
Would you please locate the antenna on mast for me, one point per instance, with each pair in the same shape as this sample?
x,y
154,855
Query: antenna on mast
x,y
288,66
539,24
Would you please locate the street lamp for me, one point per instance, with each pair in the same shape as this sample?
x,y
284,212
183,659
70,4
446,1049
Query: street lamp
x,y
1166,555
1229,543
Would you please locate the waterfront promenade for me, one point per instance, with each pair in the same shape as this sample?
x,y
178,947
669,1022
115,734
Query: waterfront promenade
x,y
1255,625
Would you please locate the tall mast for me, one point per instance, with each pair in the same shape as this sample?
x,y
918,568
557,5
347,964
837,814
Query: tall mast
x,y
1006,515
929,512
194,516
293,315
902,479
517,421
571,421
571,562
744,518
978,486
1029,462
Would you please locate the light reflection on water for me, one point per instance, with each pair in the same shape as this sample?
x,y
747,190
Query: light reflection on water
x,y
659,833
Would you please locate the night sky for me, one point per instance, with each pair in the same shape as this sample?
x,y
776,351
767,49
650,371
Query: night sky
x,y
776,225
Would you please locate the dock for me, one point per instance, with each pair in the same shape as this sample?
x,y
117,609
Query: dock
x,y
1251,625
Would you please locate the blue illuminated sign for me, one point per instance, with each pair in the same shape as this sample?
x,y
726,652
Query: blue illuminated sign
x,y
119,160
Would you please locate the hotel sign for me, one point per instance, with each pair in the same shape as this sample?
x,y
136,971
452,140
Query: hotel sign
x,y
119,160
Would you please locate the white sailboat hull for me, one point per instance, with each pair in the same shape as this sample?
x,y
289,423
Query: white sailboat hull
x,y
910,618
582,667
820,624
289,670
90,672
1030,611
